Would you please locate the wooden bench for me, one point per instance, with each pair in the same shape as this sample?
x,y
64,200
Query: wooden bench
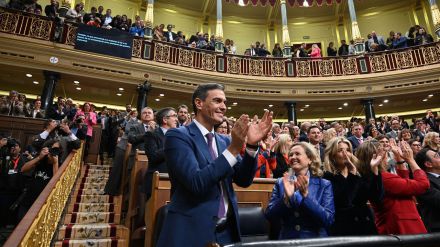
x,y
135,197
258,194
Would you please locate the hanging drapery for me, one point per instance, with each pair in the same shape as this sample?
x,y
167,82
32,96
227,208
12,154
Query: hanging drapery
x,y
291,3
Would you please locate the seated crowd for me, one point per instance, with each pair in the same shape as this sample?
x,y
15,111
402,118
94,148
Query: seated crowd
x,y
327,172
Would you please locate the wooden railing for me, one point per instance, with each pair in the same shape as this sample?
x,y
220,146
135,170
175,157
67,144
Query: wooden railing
x,y
33,26
40,222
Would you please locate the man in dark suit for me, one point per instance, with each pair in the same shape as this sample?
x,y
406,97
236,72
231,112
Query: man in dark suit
x,y
137,131
314,135
169,34
166,118
429,203
395,130
420,131
356,139
202,166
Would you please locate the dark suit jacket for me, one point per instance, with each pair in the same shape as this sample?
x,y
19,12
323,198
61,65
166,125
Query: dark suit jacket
x,y
195,178
136,136
429,205
154,143
354,142
166,35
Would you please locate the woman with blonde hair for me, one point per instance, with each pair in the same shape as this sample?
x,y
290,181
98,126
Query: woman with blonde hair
x,y
328,135
432,141
302,200
353,185
279,152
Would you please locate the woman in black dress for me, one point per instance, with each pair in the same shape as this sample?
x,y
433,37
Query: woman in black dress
x,y
354,184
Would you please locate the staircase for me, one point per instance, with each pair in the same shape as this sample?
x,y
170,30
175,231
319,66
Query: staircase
x,y
92,218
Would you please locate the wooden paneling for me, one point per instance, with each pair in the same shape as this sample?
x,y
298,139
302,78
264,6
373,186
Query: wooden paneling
x,y
20,128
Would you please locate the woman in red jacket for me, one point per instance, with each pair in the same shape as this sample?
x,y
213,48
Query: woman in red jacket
x,y
397,213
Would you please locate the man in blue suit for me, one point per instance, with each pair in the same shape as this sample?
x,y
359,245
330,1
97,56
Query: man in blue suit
x,y
202,166
356,139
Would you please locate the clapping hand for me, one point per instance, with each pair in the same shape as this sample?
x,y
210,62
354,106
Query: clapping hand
x,y
258,129
395,149
377,159
302,183
289,185
406,151
238,134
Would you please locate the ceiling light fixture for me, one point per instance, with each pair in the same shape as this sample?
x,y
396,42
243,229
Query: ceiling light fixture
x,y
36,82
76,82
78,88
121,89
385,101
306,105
161,95
301,109
119,94
29,75
431,95
339,108
235,103
345,104
270,105
424,100
157,99
229,108
380,104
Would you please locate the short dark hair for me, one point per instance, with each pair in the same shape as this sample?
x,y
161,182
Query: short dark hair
x,y
47,122
421,157
312,127
380,137
182,106
201,92
163,113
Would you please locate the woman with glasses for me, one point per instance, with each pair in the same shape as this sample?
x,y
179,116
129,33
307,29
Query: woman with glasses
x,y
415,145
354,184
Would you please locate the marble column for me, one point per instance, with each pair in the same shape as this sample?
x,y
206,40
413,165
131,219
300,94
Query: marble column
x,y
356,34
219,46
286,37
435,16
149,19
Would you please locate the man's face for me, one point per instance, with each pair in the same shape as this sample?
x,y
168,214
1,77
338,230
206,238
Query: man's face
x,y
100,9
372,121
108,12
15,150
13,96
395,125
37,104
128,108
171,119
182,115
357,131
61,101
434,158
147,115
213,108
315,135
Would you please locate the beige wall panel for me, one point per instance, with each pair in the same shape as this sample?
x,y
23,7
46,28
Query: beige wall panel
x,y
244,35
187,24
383,23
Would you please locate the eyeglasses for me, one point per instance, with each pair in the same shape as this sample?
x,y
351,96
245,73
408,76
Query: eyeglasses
x,y
174,115
417,145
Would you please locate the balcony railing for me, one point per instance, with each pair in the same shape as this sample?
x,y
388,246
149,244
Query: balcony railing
x,y
32,26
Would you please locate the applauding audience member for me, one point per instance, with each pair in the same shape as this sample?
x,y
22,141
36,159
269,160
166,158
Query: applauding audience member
x,y
354,184
302,200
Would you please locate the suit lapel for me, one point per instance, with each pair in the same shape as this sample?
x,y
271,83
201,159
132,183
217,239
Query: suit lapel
x,y
199,140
